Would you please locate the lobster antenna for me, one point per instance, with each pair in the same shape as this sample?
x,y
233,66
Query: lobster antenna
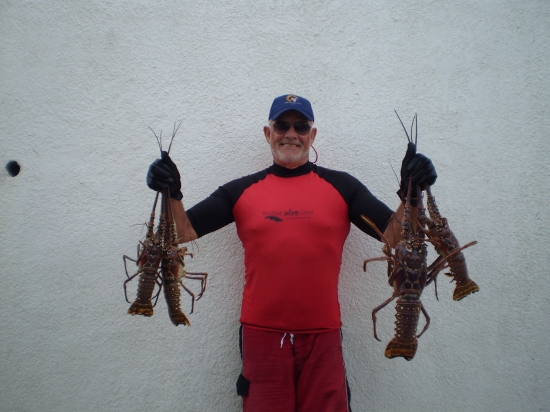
x,y
174,135
139,224
412,124
394,173
408,138
156,137
416,131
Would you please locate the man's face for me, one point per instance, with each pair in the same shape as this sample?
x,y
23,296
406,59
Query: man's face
x,y
290,149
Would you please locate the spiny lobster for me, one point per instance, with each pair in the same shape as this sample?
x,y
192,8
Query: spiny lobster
x,y
161,261
407,271
173,268
444,241
407,274
149,255
448,248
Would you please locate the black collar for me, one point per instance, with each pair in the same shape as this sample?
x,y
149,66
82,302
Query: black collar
x,y
284,172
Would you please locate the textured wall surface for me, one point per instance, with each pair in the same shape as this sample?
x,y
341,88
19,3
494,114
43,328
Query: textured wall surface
x,y
80,82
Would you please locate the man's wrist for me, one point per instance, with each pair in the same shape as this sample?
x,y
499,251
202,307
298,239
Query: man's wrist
x,y
402,195
177,195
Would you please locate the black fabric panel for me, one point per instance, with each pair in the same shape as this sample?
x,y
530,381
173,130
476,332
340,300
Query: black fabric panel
x,y
281,171
243,385
216,211
359,200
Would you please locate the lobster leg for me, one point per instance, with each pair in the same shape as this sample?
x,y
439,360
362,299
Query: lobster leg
x,y
190,294
159,283
427,321
124,257
198,276
377,259
442,262
375,311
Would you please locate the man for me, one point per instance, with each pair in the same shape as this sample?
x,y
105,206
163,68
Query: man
x,y
293,219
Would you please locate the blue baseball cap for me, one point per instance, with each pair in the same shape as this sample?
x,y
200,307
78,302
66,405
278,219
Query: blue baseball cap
x,y
288,102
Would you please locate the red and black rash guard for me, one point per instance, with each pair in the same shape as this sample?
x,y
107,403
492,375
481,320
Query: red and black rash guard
x,y
293,225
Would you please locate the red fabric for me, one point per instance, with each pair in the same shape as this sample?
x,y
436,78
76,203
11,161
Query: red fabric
x,y
293,231
306,375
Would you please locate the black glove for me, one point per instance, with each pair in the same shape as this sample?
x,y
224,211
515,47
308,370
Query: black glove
x,y
420,168
163,173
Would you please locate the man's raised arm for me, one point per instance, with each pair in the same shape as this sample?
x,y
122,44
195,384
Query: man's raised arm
x,y
420,170
163,173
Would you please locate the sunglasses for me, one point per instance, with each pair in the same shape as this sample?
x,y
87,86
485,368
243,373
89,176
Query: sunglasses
x,y
302,128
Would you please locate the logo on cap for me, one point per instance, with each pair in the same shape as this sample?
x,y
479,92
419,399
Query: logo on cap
x,y
287,102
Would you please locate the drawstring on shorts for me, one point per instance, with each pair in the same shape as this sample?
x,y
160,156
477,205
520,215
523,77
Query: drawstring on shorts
x,y
291,339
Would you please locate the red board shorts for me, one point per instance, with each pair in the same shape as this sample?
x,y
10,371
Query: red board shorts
x,y
284,372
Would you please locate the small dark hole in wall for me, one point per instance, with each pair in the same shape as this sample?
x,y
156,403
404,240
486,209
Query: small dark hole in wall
x,y
13,168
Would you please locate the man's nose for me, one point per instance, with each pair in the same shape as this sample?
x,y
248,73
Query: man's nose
x,y
291,132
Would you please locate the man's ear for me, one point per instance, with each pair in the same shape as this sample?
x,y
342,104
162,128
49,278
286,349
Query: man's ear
x,y
313,134
267,133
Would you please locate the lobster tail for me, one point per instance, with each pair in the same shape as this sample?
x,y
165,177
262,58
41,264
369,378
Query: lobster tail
x,y
172,294
143,305
459,272
464,289
139,308
405,341
148,263
464,285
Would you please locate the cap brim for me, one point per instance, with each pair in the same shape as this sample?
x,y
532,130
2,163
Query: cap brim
x,y
279,113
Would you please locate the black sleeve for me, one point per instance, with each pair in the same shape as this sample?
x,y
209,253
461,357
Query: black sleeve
x,y
216,211
365,203
360,201
213,213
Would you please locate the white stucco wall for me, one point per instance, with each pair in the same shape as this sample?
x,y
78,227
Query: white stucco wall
x,y
80,82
